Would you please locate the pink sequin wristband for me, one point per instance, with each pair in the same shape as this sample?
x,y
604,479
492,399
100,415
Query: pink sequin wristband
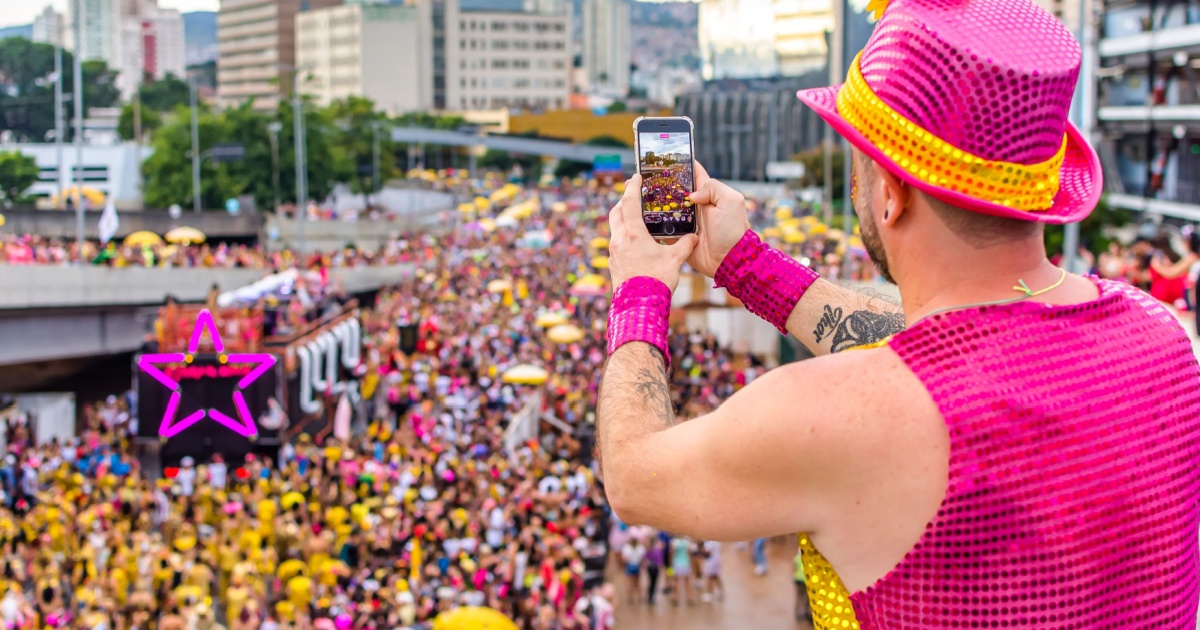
x,y
766,280
640,311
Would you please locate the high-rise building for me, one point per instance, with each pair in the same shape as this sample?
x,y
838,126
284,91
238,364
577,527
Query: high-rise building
x,y
490,58
256,49
737,39
99,30
606,46
800,28
381,52
164,46
1148,114
49,27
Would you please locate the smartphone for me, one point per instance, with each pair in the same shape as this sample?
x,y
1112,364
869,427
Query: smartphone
x,y
664,150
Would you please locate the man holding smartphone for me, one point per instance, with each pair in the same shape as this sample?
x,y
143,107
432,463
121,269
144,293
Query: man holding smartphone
x,y
1017,446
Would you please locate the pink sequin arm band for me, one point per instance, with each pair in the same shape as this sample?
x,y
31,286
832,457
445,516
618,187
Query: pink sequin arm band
x,y
766,280
640,311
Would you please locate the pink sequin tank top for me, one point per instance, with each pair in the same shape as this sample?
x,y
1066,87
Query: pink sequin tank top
x,y
1074,471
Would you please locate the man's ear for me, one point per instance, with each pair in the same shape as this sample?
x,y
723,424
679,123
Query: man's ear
x,y
895,194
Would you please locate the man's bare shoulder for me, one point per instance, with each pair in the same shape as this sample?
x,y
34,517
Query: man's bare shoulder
x,y
869,407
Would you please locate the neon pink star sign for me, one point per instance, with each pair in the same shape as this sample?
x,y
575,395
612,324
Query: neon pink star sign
x,y
244,424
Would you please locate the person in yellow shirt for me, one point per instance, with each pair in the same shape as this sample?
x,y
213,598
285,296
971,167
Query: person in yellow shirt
x,y
236,597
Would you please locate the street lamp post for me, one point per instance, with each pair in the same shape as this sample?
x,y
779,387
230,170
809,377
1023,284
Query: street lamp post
x,y
301,159
77,99
376,127
273,129
58,112
195,146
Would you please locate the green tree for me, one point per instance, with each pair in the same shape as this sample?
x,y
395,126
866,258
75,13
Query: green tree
x,y
358,122
151,120
27,88
814,169
164,94
17,173
1092,230
618,107
607,141
169,177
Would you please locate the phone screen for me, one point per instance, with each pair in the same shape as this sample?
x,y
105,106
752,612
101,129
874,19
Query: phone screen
x,y
665,162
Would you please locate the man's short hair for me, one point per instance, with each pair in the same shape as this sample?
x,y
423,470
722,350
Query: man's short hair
x,y
977,229
981,230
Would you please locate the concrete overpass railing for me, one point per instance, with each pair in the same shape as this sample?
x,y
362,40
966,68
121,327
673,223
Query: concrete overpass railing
x,y
61,223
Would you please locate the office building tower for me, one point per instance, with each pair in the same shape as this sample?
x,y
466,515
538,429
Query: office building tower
x,y
800,28
49,27
378,51
489,58
606,46
256,49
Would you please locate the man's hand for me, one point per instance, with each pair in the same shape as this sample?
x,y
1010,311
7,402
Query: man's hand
x,y
632,252
721,213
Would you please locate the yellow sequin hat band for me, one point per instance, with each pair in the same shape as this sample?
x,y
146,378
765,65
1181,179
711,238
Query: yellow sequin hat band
x,y
1029,187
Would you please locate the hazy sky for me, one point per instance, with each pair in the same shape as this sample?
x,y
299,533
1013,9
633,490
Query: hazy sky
x,y
677,143
13,12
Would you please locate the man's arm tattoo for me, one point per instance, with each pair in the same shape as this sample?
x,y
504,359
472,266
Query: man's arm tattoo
x,y
652,386
865,327
829,320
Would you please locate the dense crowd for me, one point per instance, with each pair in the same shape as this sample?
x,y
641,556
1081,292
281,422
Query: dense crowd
x,y
41,250
427,509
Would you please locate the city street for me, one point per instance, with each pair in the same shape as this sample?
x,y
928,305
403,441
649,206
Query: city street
x,y
750,602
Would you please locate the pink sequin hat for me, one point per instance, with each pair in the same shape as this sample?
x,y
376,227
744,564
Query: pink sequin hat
x,y
968,101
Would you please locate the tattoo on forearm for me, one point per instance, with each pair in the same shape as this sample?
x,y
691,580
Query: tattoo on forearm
x,y
652,387
864,327
829,320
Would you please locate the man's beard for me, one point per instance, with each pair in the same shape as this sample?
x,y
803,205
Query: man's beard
x,y
874,244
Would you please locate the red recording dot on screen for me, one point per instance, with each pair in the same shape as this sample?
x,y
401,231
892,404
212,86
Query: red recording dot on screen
x,y
171,473
242,473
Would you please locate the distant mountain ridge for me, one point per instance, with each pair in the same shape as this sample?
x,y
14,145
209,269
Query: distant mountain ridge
x,y
23,30
200,37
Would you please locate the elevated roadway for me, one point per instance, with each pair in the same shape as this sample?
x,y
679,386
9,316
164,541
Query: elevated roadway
x,y
57,313
512,144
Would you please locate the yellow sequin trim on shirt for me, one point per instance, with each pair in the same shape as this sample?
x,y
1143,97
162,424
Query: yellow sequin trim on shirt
x,y
1029,187
829,600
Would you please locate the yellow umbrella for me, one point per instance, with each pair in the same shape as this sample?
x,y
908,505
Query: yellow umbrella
x,y
466,208
290,569
819,228
591,280
482,203
783,213
619,187
794,237
291,500
185,235
487,224
599,242
808,220
600,262
473,618
499,286
550,320
559,207
142,239
1,220
94,197
526,375
790,224
772,232
565,333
